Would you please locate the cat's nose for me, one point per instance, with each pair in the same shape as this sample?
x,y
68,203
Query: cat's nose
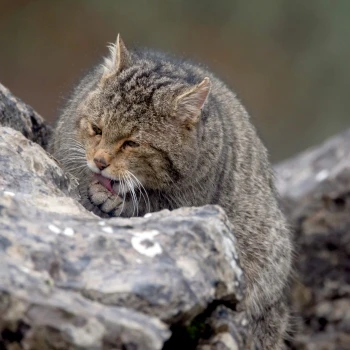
x,y
101,162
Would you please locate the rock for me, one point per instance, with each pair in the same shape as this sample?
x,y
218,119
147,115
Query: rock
x,y
226,329
19,116
70,280
315,192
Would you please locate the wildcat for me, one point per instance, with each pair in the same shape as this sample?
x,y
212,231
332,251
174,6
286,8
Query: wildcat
x,y
145,131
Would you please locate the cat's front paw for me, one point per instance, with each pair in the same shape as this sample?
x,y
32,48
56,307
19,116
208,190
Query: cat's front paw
x,y
104,200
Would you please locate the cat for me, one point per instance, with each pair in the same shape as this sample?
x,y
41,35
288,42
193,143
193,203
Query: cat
x,y
145,131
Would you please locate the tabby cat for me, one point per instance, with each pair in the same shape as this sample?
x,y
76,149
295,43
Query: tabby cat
x,y
145,131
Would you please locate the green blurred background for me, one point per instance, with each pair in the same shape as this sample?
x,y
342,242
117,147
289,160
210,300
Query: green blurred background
x,y
287,60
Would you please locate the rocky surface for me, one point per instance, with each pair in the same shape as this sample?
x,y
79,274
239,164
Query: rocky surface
x,y
227,331
69,280
171,280
315,191
19,116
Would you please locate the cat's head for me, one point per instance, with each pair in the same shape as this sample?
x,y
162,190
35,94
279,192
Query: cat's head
x,y
141,118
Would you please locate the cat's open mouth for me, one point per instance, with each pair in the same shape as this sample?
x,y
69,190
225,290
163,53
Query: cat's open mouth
x,y
112,186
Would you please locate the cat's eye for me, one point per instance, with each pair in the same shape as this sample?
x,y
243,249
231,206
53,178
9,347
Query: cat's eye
x,y
130,143
96,129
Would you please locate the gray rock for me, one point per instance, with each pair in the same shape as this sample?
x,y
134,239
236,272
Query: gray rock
x,y
19,116
226,329
70,280
315,192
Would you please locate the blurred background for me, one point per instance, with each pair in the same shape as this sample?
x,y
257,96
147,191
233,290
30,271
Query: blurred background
x,y
287,60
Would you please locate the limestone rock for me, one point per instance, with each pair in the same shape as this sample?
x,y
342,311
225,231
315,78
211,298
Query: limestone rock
x,y
70,280
226,330
171,280
19,116
315,192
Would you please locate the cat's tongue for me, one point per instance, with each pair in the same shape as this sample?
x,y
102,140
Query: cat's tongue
x,y
104,181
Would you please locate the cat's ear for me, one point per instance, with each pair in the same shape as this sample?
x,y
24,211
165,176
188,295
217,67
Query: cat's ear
x,y
188,105
119,58
122,58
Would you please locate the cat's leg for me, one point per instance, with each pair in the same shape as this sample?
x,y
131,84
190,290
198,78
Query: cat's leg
x,y
270,327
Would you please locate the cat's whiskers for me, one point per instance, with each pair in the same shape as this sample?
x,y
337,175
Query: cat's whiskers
x,y
122,186
133,194
74,165
73,150
75,158
142,190
75,141
70,145
74,162
71,142
129,189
